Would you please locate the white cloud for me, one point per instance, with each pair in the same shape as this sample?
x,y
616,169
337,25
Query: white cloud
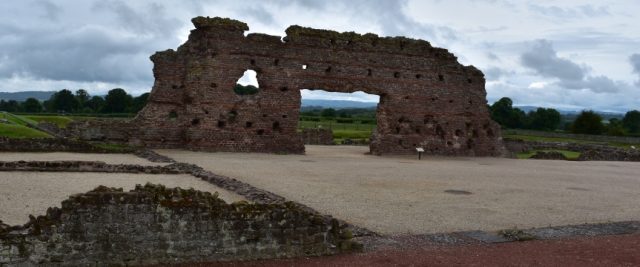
x,y
538,85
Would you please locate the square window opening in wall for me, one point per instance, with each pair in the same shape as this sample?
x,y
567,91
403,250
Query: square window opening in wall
x,y
284,116
441,77
260,132
264,115
276,62
249,124
304,66
221,124
369,72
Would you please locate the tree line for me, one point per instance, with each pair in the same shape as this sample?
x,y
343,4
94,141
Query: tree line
x,y
549,119
116,101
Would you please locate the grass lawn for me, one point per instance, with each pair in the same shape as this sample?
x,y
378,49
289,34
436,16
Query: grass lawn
x,y
18,131
540,138
61,121
17,121
332,125
339,135
568,154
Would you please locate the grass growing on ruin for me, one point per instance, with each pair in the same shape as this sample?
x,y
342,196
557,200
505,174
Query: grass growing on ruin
x,y
61,121
18,131
540,138
111,146
568,154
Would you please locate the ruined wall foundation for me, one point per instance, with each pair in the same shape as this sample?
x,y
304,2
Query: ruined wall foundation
x,y
156,225
427,98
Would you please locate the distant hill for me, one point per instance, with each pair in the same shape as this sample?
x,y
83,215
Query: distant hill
x,y
22,96
337,104
526,109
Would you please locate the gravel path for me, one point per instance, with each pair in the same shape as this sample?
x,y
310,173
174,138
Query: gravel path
x,y
401,195
24,193
53,156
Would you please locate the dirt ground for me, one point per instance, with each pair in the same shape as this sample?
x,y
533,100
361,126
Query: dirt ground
x,y
395,195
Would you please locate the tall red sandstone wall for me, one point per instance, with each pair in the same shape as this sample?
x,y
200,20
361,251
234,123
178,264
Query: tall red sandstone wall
x,y
427,98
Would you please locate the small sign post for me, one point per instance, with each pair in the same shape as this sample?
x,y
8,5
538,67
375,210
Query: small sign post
x,y
420,150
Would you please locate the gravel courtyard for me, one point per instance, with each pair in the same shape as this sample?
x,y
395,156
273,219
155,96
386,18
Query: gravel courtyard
x,y
402,195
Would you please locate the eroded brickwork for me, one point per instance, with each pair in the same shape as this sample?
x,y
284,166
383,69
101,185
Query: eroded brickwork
x,y
157,225
427,98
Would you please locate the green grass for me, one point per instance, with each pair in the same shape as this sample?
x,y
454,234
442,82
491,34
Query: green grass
x,y
540,138
17,121
339,135
61,121
110,146
18,131
568,154
332,125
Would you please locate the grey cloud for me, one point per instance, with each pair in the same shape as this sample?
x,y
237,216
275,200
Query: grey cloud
x,y
635,63
544,61
260,14
494,73
153,20
51,10
493,56
564,14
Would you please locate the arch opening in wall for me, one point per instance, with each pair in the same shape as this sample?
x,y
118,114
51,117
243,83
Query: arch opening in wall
x,y
173,115
247,84
352,113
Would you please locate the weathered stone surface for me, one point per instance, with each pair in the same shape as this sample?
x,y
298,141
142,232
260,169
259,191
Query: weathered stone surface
x,y
156,225
427,98
313,136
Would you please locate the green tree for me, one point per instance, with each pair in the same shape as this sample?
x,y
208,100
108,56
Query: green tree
x,y
503,113
587,122
64,100
96,103
329,113
31,105
116,101
546,119
617,130
631,121
138,103
245,90
9,106
344,114
82,97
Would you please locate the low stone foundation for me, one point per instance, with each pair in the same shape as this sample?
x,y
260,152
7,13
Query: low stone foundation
x,y
313,136
589,151
156,225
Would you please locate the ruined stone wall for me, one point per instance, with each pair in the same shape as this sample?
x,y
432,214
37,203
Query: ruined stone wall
x,y
427,98
589,151
312,136
156,225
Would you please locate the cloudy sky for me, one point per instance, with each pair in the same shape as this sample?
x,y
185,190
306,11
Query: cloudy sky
x,y
562,54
